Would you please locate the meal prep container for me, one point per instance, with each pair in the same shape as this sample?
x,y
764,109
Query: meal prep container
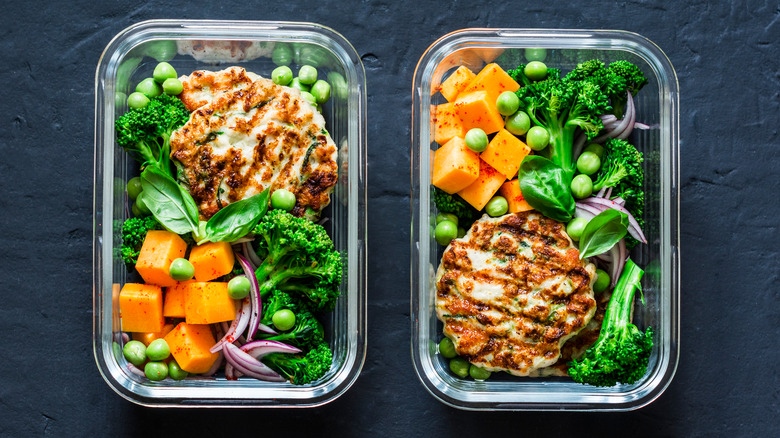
x,y
657,105
129,58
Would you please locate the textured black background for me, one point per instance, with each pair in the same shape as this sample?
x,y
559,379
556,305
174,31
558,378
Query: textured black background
x,y
726,57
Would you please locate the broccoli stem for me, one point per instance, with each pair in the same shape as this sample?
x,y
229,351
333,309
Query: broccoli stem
x,y
618,313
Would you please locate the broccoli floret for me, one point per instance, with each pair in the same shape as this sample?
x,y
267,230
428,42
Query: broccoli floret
x,y
302,369
133,234
456,205
622,351
307,333
145,132
617,79
518,74
298,256
278,300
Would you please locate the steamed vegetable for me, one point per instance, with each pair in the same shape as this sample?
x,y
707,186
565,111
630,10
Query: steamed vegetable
x,y
134,232
302,369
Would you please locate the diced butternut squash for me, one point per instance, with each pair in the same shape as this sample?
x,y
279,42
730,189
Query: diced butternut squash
x,y
208,303
212,260
505,152
494,80
478,110
457,81
487,184
489,54
514,197
160,248
140,307
446,123
148,337
190,344
455,166
175,298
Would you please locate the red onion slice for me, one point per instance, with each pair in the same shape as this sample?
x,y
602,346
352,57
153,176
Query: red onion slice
x,y
618,261
254,296
251,255
267,330
602,204
258,349
238,326
631,116
250,366
618,130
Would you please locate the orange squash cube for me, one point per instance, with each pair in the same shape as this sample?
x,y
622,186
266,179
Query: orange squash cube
x,y
148,337
487,184
505,152
175,298
457,81
494,80
212,260
477,110
446,123
489,54
207,303
140,308
190,344
455,166
159,249
514,197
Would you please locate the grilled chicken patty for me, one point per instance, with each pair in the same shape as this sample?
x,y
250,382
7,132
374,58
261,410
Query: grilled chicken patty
x,y
203,86
258,136
512,291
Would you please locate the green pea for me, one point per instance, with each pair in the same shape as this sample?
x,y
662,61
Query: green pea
x,y
537,138
156,371
283,199
161,50
134,187
307,74
581,186
309,97
459,366
447,348
173,87
282,75
321,91
507,103
518,123
163,71
478,373
575,227
596,149
181,270
602,281
175,371
588,163
296,83
497,206
140,206
476,140
535,54
446,217
149,88
135,352
340,88
158,350
282,54
239,287
283,319
445,232
535,70
137,100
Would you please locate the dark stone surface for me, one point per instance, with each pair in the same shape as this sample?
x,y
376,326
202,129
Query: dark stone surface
x,y
726,56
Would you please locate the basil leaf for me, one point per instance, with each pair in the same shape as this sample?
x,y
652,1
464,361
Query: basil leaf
x,y
169,202
236,219
545,188
603,232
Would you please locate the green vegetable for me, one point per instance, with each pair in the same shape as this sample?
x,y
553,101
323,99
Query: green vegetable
x,y
544,186
581,186
534,54
307,75
133,234
535,70
622,352
149,88
321,91
296,83
236,219
518,123
135,352
170,203
181,270
175,372
137,100
172,86
596,149
284,319
478,373
588,163
163,71
575,227
282,75
309,97
476,140
459,366
282,54
441,217
298,256
603,232
456,205
602,281
537,138
444,232
507,103
278,300
239,287
139,206
300,370
620,78
447,348
161,50
133,187
158,350
156,371
497,206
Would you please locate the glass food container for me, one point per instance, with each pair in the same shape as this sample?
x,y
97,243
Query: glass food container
x,y
214,45
657,106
